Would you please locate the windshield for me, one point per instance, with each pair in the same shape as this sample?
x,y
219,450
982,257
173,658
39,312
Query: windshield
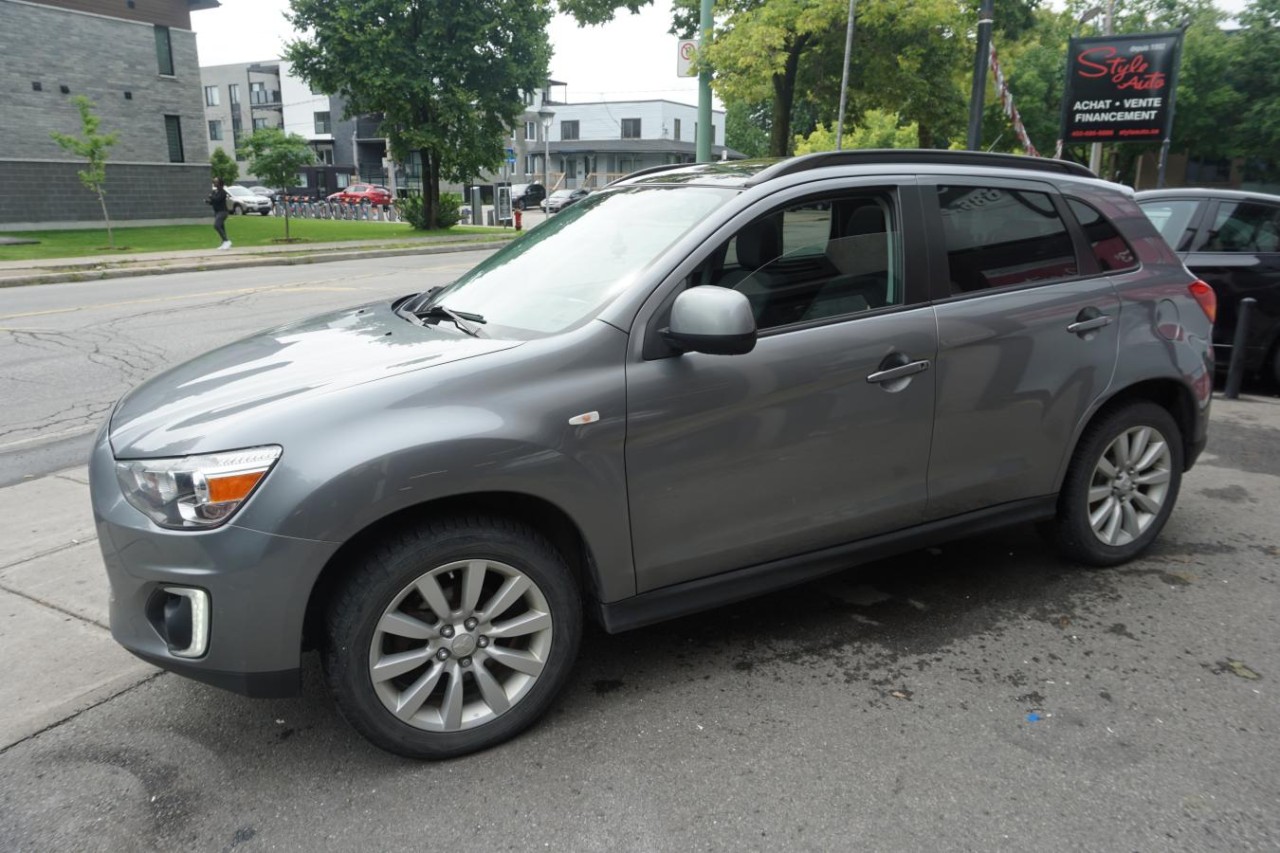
x,y
563,272
238,191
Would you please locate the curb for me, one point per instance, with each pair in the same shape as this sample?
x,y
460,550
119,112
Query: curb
x,y
248,260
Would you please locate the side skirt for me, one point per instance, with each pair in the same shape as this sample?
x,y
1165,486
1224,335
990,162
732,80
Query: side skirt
x,y
728,587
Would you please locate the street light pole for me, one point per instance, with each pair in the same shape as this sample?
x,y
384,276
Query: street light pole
x,y
546,115
844,75
1095,151
704,141
980,62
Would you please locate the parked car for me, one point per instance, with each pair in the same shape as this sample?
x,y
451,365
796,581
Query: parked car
x,y
362,194
560,199
712,382
525,196
1232,241
267,191
243,200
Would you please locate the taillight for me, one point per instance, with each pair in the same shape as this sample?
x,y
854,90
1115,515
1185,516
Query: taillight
x,y
1206,298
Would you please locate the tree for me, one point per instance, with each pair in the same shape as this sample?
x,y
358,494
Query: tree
x,y
447,78
277,157
876,129
94,147
1256,70
223,166
746,128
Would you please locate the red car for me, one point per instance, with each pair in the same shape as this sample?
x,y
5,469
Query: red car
x,y
361,193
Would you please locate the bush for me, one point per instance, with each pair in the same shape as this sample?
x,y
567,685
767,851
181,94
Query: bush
x,y
413,211
450,210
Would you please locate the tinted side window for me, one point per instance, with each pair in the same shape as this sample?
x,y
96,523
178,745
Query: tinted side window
x,y
1172,218
999,237
1243,227
1112,251
824,258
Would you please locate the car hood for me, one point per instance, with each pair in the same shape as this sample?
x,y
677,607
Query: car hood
x,y
263,376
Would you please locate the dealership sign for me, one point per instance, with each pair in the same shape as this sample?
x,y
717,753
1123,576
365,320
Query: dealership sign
x,y
1120,88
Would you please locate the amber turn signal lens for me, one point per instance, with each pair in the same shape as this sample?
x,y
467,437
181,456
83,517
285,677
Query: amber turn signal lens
x,y
233,487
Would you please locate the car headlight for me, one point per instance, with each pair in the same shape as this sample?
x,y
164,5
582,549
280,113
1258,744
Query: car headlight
x,y
194,492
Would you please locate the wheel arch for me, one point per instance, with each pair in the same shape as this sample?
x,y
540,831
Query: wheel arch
x,y
1170,394
544,516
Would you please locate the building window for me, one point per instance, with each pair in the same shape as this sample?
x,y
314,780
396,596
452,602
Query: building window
x,y
164,51
260,123
528,164
631,128
568,130
675,133
258,94
215,130
322,122
173,130
325,156
211,96
530,131
233,90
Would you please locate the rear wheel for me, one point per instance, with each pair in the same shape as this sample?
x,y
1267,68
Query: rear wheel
x,y
452,637
1121,487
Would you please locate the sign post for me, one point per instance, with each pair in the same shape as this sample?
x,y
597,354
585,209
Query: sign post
x,y
1120,88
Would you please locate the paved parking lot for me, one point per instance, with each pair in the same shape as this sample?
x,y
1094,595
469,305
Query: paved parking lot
x,y
982,695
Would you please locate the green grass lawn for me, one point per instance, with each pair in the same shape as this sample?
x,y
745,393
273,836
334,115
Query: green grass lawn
x,y
243,230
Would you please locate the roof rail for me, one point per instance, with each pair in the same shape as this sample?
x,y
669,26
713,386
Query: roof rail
x,y
646,171
891,156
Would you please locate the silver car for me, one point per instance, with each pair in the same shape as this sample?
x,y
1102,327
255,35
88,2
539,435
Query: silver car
x,y
243,200
703,383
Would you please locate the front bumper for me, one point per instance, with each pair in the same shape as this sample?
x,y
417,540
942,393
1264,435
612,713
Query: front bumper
x,y
258,586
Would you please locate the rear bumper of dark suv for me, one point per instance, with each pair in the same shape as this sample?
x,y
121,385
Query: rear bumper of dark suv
x,y
245,633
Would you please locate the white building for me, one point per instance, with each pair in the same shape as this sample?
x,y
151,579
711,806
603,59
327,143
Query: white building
x,y
592,143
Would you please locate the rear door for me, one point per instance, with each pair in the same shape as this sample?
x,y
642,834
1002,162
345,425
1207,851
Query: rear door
x,y
1027,339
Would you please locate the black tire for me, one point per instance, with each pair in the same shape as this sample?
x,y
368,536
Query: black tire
x,y
265,212
1072,531
380,580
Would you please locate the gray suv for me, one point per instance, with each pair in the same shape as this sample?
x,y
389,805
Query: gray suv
x,y
703,383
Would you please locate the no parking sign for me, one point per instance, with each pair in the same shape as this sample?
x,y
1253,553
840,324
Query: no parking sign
x,y
685,53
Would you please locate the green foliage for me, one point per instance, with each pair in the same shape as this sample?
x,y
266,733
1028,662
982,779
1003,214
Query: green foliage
x,y
447,77
223,166
876,129
746,128
276,157
449,213
413,211
93,147
1255,74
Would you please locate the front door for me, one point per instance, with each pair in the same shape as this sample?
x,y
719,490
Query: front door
x,y
738,460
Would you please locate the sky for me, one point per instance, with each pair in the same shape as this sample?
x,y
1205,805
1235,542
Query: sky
x,y
630,59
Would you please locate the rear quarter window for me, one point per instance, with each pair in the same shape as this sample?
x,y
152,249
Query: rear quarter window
x,y
1112,252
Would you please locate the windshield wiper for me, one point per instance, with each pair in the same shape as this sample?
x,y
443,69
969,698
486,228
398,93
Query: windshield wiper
x,y
461,319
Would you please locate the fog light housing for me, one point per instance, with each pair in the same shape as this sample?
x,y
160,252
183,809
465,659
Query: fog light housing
x,y
180,615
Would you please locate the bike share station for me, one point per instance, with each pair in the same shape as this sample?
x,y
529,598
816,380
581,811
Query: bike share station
x,y
491,205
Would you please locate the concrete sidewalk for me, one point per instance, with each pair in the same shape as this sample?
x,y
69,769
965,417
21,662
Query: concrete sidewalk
x,y
54,270
59,658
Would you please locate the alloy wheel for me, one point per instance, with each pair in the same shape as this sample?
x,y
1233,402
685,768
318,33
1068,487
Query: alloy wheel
x,y
460,645
1129,485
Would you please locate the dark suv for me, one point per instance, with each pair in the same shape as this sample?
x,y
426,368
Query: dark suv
x,y
1232,241
702,383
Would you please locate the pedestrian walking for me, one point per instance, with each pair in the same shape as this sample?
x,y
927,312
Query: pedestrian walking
x,y
218,199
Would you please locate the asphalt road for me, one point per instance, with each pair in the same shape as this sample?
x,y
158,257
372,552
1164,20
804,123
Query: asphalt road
x,y
69,351
979,696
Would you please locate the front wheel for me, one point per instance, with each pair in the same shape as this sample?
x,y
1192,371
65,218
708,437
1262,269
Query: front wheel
x,y
452,637
1121,486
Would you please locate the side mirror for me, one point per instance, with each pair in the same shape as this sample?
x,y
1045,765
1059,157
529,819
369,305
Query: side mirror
x,y
713,320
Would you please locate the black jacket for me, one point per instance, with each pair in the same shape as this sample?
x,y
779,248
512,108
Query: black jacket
x,y
218,198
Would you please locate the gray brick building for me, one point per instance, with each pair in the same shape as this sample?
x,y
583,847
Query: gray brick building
x,y
136,59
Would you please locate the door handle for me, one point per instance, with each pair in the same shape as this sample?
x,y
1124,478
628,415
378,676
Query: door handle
x,y
1079,327
900,372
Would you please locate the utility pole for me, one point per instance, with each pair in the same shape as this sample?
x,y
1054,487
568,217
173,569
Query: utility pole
x,y
704,86
1095,150
844,76
985,17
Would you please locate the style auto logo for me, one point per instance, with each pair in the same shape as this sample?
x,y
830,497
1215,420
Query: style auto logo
x,y
1126,73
